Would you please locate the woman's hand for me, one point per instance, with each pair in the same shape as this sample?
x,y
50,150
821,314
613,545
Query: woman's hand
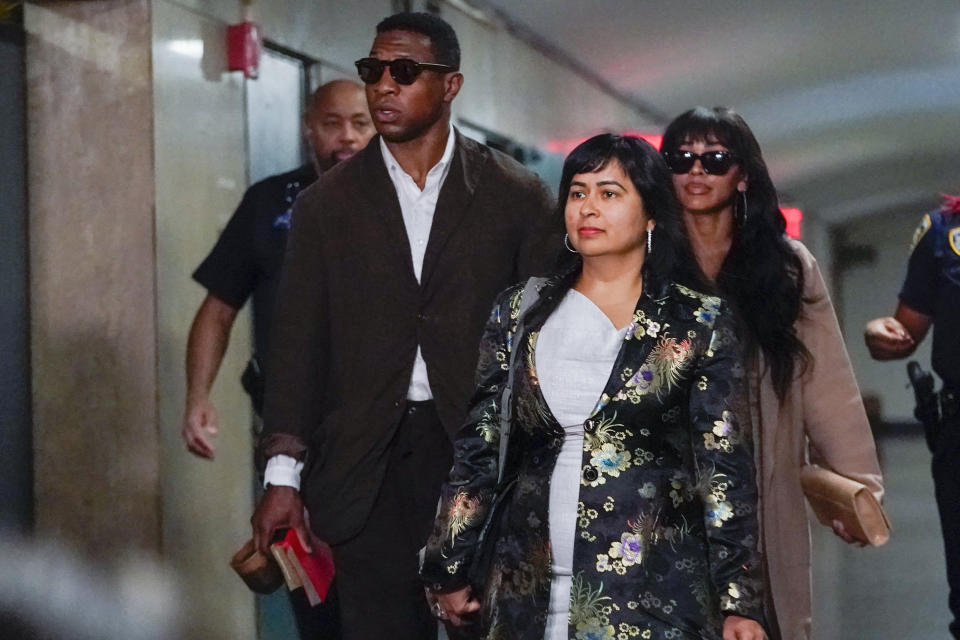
x,y
844,535
455,606
740,628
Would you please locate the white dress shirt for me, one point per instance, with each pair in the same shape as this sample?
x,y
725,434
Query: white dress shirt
x,y
576,350
417,207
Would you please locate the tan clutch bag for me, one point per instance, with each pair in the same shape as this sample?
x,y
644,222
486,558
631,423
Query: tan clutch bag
x,y
260,572
836,497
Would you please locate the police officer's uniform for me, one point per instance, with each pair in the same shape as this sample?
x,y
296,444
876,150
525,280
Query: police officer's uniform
x,y
245,261
932,287
249,253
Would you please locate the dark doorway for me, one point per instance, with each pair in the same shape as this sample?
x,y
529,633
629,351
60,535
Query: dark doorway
x,y
16,457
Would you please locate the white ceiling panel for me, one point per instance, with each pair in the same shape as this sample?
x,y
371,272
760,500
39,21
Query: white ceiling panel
x,y
849,99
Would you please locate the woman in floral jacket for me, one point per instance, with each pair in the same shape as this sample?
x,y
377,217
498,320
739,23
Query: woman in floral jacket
x,y
633,514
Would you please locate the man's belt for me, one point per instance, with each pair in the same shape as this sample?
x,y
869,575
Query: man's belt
x,y
949,403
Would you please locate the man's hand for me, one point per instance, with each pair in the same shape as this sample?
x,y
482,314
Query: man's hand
x,y
896,337
740,628
888,339
280,508
457,605
199,426
206,345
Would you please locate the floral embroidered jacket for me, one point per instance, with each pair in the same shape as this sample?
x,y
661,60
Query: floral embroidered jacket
x,y
666,525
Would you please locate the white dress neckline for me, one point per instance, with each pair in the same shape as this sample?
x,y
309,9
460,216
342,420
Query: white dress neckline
x,y
595,306
576,351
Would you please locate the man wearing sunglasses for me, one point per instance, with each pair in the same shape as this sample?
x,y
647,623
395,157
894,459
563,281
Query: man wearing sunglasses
x,y
395,258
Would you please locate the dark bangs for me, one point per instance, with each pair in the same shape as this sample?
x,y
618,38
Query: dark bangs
x,y
702,124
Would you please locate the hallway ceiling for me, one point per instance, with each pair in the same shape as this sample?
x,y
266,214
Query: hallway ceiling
x,y
855,103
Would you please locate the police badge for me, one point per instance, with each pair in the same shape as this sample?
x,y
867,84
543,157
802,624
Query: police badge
x,y
954,237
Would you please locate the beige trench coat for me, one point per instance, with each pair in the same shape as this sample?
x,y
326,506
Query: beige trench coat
x,y
822,408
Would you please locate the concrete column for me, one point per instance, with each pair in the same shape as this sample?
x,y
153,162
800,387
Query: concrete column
x,y
93,309
136,160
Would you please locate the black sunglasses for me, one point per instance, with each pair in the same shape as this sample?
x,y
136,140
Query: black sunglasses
x,y
402,70
716,163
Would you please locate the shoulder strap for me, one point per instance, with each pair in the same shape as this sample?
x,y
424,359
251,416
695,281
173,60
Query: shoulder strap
x,y
528,296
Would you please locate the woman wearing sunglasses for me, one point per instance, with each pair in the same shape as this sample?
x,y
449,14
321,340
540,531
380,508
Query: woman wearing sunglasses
x,y
802,387
632,511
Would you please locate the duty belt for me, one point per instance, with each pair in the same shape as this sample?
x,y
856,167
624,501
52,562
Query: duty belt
x,y
949,403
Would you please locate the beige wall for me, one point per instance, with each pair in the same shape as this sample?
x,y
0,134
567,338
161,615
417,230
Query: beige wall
x,y
200,177
870,291
509,88
93,311
518,92
117,224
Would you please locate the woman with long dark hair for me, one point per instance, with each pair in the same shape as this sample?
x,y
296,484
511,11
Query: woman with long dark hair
x,y
632,507
802,388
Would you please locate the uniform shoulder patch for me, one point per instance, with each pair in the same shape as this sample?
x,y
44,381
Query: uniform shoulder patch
x,y
954,236
921,231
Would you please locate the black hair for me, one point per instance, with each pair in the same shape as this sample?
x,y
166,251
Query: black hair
x,y
762,276
672,258
443,39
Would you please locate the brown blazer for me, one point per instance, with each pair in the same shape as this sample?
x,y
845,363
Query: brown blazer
x,y
350,314
824,409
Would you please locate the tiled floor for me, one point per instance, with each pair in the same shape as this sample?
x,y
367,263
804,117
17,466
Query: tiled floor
x,y
896,591
275,617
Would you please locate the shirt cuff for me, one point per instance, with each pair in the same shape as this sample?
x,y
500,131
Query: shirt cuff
x,y
282,471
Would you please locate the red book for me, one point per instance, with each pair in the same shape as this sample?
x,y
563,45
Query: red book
x,y
312,571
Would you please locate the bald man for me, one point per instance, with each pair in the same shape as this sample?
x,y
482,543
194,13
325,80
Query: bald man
x,y
247,258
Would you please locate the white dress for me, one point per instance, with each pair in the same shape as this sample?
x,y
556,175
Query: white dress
x,y
575,353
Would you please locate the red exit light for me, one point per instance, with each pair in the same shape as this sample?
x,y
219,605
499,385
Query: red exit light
x,y
566,146
794,217
655,139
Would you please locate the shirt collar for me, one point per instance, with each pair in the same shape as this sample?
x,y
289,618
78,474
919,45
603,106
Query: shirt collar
x,y
441,167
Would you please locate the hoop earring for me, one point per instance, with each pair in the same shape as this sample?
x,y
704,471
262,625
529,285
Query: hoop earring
x,y
649,241
566,243
743,215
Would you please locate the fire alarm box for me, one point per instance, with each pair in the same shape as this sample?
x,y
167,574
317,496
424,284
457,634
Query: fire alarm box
x,y
243,48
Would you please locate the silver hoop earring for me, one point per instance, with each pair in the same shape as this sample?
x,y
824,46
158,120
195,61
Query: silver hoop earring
x,y
649,241
566,243
743,217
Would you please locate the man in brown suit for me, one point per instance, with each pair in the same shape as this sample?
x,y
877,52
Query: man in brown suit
x,y
393,261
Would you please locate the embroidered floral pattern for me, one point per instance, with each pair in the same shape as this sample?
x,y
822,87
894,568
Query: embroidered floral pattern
x,y
611,459
629,549
725,434
710,306
489,425
461,514
660,372
666,513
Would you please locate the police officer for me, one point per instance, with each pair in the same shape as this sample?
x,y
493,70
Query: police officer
x,y
247,259
248,255
931,295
